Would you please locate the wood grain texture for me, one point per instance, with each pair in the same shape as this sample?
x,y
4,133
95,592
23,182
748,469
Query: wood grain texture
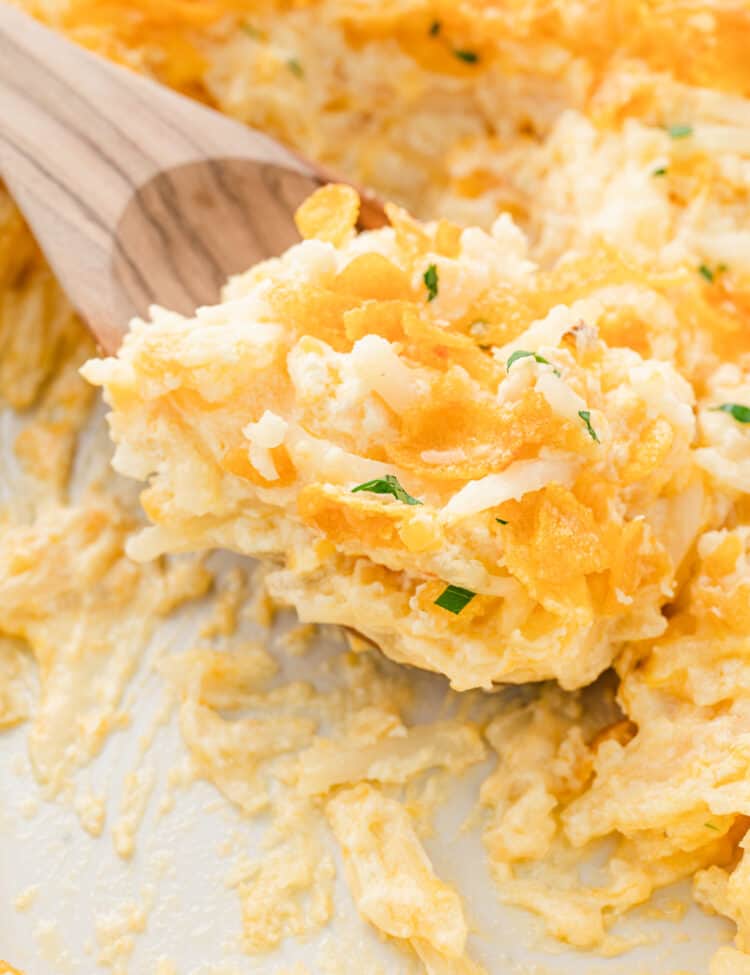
x,y
136,194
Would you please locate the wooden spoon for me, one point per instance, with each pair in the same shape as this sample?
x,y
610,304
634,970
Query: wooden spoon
x,y
136,194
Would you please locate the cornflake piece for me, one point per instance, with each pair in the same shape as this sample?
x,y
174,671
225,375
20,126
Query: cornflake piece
x,y
330,214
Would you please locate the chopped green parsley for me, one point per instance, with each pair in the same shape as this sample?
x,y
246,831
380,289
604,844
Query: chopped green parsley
x,y
705,271
435,28
711,826
740,413
387,485
454,599
500,521
679,131
430,278
523,354
295,67
661,171
585,415
469,57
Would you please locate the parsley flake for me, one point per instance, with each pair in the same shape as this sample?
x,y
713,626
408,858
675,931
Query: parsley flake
x,y
454,599
711,826
252,32
661,171
500,521
387,485
740,413
707,273
585,415
523,354
435,28
430,278
679,131
296,68
469,57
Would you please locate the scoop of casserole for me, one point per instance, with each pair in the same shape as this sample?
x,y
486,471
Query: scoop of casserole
x,y
429,437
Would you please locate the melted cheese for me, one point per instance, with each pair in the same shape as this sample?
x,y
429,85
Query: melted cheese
x,y
390,875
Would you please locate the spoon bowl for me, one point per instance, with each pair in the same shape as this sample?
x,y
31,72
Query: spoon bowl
x,y
187,229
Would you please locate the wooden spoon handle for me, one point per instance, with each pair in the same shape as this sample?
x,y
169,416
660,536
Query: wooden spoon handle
x,y
80,138
69,117
136,194
50,128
